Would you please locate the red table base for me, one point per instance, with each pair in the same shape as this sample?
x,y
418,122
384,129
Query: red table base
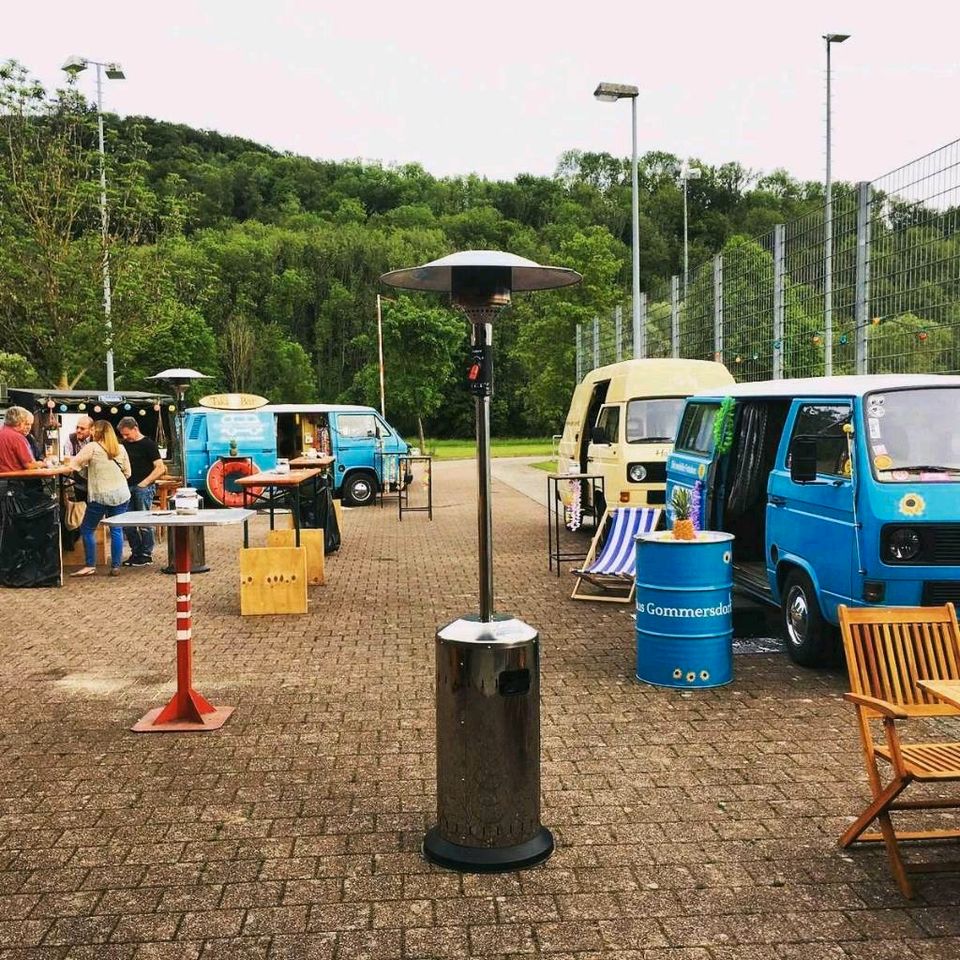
x,y
187,710
211,721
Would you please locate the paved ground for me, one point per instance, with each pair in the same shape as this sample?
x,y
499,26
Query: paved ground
x,y
690,825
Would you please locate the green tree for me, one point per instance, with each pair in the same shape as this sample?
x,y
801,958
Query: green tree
x,y
422,350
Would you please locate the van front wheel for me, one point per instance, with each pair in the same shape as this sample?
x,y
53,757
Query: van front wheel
x,y
359,490
809,636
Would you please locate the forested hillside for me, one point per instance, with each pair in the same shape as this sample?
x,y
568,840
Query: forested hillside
x,y
261,268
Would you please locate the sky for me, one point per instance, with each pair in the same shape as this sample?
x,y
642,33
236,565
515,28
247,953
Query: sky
x,y
502,88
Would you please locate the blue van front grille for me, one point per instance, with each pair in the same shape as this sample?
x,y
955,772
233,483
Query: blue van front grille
x,y
938,592
944,543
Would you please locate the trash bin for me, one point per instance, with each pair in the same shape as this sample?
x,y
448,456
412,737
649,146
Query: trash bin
x,y
488,748
198,552
685,609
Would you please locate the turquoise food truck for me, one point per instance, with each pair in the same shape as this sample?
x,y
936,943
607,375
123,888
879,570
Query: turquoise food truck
x,y
364,446
837,489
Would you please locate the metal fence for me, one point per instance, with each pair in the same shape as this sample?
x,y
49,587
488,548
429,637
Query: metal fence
x,y
759,306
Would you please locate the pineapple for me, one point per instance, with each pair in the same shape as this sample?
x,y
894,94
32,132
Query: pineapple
x,y
682,521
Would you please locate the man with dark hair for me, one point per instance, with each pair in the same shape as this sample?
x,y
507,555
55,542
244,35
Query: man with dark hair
x,y
146,467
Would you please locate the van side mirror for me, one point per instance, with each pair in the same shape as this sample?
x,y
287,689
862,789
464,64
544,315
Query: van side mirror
x,y
803,460
598,435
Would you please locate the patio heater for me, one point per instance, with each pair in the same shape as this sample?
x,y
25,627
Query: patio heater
x,y
487,664
179,380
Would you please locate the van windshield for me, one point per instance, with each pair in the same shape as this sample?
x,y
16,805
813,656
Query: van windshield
x,y
652,420
912,434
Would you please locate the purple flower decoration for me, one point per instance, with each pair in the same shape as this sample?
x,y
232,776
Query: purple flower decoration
x,y
695,501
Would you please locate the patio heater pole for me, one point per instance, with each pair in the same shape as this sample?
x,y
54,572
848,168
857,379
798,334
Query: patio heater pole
x,y
487,665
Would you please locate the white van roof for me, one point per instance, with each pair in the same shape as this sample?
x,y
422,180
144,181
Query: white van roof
x,y
316,408
853,386
293,408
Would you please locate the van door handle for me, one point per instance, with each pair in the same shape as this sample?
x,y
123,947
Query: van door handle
x,y
776,501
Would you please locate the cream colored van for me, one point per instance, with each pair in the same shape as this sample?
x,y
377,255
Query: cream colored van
x,y
622,421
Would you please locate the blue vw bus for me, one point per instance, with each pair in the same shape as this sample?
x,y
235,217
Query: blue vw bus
x,y
365,447
838,490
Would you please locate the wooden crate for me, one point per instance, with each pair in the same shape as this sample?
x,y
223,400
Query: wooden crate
x,y
101,540
312,540
273,580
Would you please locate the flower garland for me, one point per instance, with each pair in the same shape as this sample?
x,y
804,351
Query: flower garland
x,y
696,500
574,509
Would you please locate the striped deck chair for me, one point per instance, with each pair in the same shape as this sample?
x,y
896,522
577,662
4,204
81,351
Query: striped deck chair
x,y
611,572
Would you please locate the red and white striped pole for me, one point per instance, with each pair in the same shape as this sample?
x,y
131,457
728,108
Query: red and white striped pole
x,y
186,704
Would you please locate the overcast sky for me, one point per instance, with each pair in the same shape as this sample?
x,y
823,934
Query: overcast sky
x,y
502,87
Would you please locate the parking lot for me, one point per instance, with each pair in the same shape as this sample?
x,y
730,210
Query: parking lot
x,y
690,825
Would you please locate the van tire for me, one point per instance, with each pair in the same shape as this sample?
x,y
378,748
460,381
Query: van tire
x,y
810,638
359,489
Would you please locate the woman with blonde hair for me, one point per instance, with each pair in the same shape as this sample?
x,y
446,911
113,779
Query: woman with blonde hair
x,y
107,467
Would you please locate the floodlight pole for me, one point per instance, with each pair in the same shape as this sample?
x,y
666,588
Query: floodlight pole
x,y
73,66
829,38
105,232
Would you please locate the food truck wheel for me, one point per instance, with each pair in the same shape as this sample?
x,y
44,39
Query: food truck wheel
x,y
809,636
359,490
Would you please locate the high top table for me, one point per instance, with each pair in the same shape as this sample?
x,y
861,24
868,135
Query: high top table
x,y
281,490
187,711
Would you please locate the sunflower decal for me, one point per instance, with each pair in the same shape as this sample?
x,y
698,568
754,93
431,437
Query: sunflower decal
x,y
912,505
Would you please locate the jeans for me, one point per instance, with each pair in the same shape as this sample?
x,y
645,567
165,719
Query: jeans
x,y
95,513
141,538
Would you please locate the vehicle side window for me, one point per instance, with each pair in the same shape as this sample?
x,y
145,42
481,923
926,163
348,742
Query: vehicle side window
x,y
382,429
825,423
609,424
696,428
357,426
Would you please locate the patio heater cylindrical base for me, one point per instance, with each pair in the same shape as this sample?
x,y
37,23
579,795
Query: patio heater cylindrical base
x,y
454,856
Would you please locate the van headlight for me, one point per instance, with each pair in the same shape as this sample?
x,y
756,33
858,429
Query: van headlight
x,y
636,473
902,544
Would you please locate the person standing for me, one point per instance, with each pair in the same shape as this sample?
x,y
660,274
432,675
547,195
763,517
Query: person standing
x,y
146,467
15,450
76,441
108,495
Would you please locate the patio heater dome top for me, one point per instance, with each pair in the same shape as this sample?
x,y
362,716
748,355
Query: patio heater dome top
x,y
179,375
515,274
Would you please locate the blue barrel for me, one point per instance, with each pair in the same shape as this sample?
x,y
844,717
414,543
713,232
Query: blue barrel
x,y
685,609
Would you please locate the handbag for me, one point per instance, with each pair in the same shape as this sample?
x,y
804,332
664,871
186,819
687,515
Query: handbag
x,y
75,512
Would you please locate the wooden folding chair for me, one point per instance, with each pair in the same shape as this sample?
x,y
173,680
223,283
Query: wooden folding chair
x,y
890,652
612,570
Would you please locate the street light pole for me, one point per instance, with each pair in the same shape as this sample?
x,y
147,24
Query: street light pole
x,y
73,66
687,173
610,92
828,227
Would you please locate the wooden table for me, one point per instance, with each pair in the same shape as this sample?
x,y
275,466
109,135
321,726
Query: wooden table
x,y
187,710
309,463
281,490
946,690
46,473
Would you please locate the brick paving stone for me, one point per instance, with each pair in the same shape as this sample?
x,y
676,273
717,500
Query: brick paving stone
x,y
690,825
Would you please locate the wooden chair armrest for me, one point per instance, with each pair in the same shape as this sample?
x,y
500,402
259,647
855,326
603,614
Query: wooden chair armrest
x,y
883,707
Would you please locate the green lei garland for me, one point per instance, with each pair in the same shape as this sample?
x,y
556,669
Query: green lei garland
x,y
723,426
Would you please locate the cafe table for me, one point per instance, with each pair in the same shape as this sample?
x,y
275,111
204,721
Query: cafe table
x,y
948,691
283,490
188,710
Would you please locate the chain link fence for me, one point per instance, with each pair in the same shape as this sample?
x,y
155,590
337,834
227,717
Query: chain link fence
x,y
761,305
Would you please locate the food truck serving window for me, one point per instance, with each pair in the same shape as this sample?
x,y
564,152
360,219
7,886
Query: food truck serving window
x,y
696,428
